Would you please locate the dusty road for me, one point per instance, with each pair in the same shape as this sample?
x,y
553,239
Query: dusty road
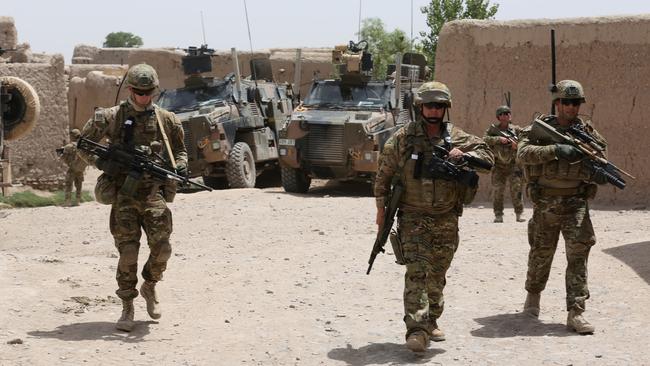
x,y
260,277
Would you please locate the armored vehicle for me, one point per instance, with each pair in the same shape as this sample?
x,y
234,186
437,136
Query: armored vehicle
x,y
338,131
230,124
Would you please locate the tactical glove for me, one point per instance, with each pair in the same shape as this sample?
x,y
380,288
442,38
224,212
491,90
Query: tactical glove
x,y
181,169
567,152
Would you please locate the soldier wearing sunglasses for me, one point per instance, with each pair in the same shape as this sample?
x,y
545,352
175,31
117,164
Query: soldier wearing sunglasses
x,y
502,138
429,208
559,185
139,124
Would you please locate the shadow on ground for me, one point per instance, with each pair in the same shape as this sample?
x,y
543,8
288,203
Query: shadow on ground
x,y
517,325
95,331
382,353
635,255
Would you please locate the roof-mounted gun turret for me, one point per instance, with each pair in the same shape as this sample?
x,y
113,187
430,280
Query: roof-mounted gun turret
x,y
353,62
197,61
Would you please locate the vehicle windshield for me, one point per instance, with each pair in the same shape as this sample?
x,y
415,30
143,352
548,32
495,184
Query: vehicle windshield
x,y
186,99
333,94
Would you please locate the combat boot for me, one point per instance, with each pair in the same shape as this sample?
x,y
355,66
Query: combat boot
x,y
576,322
77,200
418,341
125,322
148,291
66,203
531,306
498,218
519,218
437,335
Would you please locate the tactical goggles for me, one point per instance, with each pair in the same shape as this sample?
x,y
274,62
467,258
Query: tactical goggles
x,y
435,105
573,102
141,92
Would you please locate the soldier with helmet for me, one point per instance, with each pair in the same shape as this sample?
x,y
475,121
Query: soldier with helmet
x,y
429,208
139,123
76,168
559,185
502,139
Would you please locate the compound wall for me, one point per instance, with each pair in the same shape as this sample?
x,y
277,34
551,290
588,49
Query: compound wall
x,y
482,60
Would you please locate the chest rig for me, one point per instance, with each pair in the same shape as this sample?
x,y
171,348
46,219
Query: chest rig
x,y
420,146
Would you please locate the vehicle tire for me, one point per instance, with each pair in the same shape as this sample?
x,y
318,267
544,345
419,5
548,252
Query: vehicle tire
x,y
240,167
294,180
24,108
215,182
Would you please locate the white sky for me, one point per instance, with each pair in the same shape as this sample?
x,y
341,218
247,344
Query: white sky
x,y
57,26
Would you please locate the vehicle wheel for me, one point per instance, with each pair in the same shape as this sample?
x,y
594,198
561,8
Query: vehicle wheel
x,y
240,167
23,109
215,182
294,180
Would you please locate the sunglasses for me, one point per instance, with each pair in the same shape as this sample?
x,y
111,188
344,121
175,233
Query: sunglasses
x,y
504,113
573,102
435,105
141,92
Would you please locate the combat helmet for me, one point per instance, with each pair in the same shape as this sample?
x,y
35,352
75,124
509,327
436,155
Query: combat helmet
x,y
503,109
569,89
74,134
433,92
142,76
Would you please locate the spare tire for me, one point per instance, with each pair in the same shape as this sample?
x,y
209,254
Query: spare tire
x,y
22,109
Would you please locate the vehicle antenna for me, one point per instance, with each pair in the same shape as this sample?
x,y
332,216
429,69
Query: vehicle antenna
x,y
203,29
359,29
250,41
411,46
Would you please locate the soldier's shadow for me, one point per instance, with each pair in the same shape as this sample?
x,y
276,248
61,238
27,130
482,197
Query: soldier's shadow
x,y
517,325
381,353
92,331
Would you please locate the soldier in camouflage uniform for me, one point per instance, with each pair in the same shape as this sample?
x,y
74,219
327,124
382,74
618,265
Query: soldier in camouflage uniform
x,y
137,122
429,208
505,170
559,186
76,167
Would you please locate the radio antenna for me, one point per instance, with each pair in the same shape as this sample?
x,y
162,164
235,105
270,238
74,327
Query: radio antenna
x,y
359,30
203,29
250,41
411,46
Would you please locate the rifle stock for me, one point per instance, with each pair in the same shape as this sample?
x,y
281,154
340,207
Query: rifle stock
x,y
389,219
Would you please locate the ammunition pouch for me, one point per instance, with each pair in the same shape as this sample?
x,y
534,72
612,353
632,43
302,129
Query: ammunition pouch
x,y
131,184
105,190
396,243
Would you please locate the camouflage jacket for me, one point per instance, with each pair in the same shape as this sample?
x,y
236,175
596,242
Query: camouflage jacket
x,y
70,157
432,196
540,162
109,123
504,155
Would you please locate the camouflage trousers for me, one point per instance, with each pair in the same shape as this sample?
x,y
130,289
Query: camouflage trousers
x,y
128,217
429,244
73,178
552,216
502,176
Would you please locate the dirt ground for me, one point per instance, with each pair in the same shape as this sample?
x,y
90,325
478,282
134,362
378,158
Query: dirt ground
x,y
261,277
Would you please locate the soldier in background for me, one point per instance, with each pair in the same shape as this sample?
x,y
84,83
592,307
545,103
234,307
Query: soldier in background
x,y
505,170
429,208
559,186
138,123
76,168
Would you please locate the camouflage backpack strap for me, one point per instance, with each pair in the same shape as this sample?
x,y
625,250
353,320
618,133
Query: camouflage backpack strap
x,y
161,128
408,152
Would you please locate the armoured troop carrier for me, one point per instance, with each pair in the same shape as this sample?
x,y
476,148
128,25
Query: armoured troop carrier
x,y
230,124
338,131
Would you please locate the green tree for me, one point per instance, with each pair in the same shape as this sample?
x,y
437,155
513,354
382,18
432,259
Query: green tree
x,y
438,12
122,39
382,45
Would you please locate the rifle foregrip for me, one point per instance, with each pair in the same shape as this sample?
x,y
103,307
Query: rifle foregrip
x,y
476,162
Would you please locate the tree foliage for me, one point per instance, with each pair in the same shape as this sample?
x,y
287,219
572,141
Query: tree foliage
x,y
122,39
438,12
382,45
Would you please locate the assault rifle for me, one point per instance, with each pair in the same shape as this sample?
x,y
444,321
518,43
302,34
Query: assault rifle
x,y
462,172
137,162
589,147
389,219
508,134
